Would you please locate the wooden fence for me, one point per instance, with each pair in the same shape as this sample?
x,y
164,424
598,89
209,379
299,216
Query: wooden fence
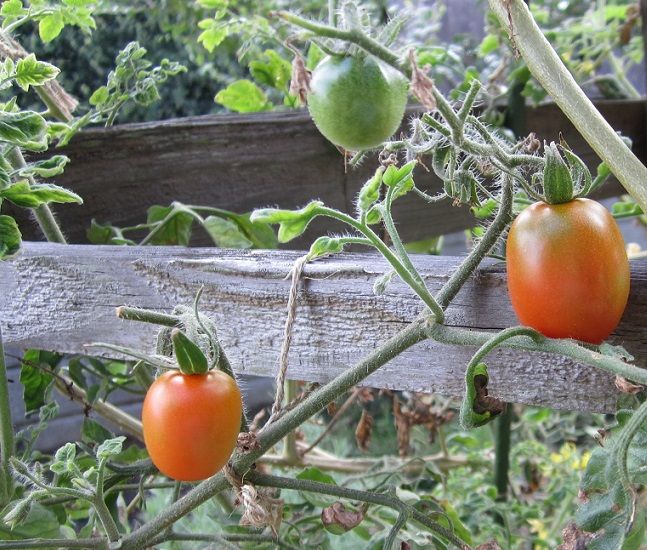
x,y
244,162
64,297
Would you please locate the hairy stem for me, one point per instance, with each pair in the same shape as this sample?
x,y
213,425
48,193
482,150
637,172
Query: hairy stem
x,y
272,434
471,262
549,70
381,499
567,348
44,216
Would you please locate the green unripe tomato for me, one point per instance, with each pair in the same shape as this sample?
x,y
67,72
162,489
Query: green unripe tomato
x,y
357,102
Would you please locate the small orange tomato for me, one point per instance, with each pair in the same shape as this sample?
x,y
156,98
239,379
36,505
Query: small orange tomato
x,y
191,423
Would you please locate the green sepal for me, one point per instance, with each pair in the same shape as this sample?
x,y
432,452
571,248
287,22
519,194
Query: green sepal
x,y
188,355
370,191
558,182
477,408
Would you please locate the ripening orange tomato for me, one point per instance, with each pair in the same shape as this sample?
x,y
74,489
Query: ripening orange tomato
x,y
568,273
191,423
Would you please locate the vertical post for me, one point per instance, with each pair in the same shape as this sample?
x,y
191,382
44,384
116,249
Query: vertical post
x,y
6,432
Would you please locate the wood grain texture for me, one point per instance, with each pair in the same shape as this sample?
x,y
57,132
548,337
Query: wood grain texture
x,y
63,297
242,162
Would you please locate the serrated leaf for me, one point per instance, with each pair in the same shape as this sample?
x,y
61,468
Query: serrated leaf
x,y
26,129
110,447
64,459
37,382
243,96
225,233
31,72
47,168
22,193
10,237
213,34
50,26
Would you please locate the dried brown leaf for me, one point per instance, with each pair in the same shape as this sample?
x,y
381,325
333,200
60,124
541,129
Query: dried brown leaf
x,y
574,539
422,86
364,430
627,387
300,81
339,520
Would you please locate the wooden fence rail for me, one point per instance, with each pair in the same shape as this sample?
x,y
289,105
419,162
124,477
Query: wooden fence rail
x,y
64,297
242,162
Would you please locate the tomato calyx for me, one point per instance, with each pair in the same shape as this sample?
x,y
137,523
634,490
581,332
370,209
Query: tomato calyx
x,y
188,355
565,176
558,182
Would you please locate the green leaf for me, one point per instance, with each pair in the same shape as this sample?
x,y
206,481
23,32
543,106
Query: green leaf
x,y
10,237
40,523
99,96
213,4
272,70
489,43
262,235
213,34
292,223
394,176
47,168
64,460
12,8
110,447
188,355
31,72
26,129
477,409
243,96
102,234
23,194
487,209
93,432
324,246
37,381
315,474
177,227
225,233
50,26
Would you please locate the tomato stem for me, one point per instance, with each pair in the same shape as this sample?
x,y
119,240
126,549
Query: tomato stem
x,y
7,444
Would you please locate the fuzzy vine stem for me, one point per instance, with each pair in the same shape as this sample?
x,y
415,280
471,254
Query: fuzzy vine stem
x,y
546,66
638,418
567,348
100,506
272,434
473,259
409,278
101,543
43,214
7,442
370,497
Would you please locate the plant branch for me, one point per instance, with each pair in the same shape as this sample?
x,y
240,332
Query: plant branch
x,y
566,348
549,70
44,216
370,497
268,437
471,262
54,543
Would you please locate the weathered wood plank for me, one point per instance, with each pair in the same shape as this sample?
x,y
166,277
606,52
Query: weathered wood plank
x,y
57,297
242,162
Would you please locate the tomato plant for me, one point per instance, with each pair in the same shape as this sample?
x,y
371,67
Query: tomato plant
x,y
191,422
357,102
568,273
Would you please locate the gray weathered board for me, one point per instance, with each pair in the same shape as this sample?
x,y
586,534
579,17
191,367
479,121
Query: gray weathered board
x,y
63,297
242,162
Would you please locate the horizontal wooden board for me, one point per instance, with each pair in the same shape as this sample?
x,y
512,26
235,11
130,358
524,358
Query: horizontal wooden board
x,y
242,162
63,297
